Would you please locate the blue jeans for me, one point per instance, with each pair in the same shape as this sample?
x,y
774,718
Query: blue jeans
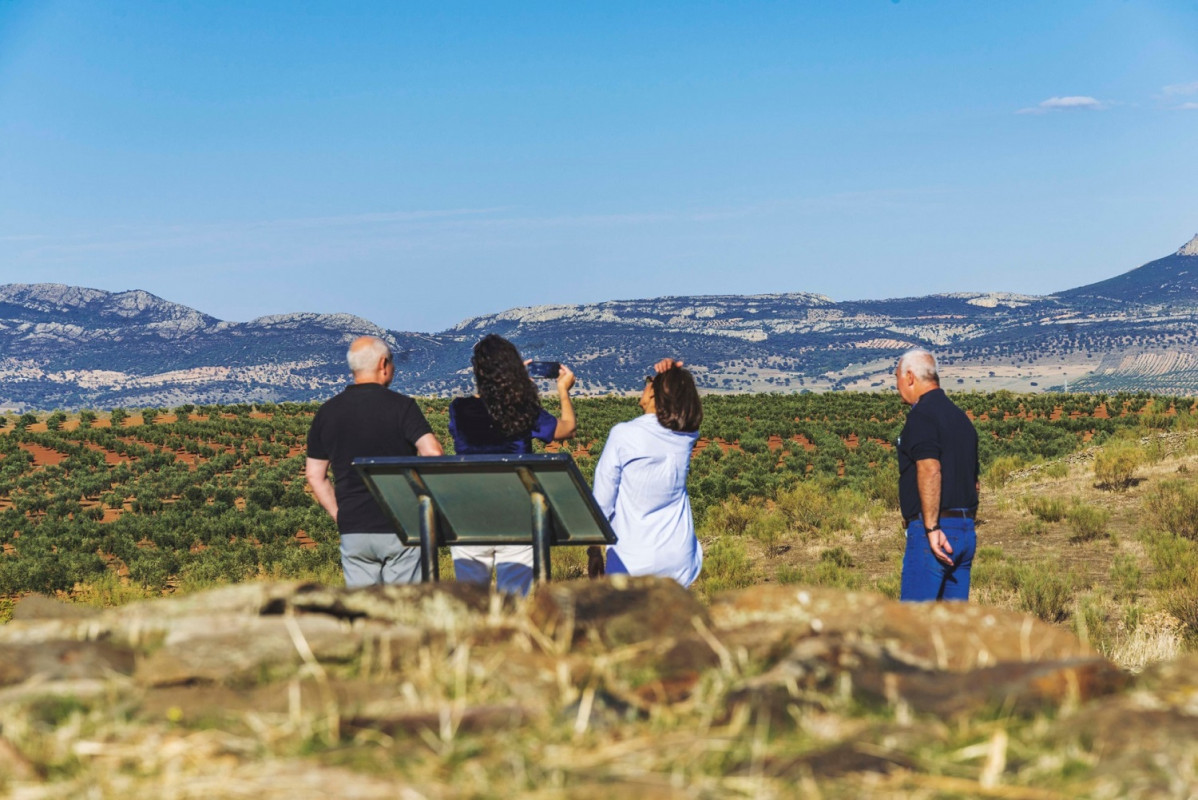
x,y
369,559
926,578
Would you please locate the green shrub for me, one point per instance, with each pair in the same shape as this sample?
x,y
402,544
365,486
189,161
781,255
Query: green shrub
x,y
890,585
1087,522
834,569
731,517
1125,575
1174,560
1049,509
806,505
1057,469
991,570
1182,602
1115,466
726,565
1001,470
820,505
768,528
1029,527
882,486
1046,591
1091,623
1173,505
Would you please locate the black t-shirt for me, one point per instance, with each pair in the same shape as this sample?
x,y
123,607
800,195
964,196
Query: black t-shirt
x,y
367,419
937,429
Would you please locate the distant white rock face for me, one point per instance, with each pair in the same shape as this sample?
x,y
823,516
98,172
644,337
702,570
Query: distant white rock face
x,y
1190,248
992,299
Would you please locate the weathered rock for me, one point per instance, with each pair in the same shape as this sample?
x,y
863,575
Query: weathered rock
x,y
593,688
659,623
1139,748
13,763
225,648
1173,684
615,612
59,660
766,620
38,606
450,606
387,718
1013,687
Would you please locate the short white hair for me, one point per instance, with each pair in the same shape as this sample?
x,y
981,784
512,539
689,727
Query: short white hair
x,y
920,363
366,356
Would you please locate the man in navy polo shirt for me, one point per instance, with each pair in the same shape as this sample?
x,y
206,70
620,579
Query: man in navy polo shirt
x,y
938,485
366,419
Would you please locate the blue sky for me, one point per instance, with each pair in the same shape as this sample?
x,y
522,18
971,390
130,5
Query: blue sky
x,y
419,163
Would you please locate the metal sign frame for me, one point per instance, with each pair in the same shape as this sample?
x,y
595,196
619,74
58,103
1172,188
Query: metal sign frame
x,y
446,501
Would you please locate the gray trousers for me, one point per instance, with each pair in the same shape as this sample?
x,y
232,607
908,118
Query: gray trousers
x,y
370,559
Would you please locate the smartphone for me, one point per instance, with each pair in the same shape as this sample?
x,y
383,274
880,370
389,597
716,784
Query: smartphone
x,y
544,369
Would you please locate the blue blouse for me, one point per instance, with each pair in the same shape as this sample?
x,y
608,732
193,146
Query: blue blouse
x,y
474,431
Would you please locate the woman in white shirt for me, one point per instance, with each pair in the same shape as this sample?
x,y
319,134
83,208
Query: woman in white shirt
x,y
640,481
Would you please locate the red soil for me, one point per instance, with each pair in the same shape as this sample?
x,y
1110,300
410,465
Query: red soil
x,y
43,456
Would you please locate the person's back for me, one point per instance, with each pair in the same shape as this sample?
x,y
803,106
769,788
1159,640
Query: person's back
x,y
640,480
937,428
651,510
504,417
366,419
474,431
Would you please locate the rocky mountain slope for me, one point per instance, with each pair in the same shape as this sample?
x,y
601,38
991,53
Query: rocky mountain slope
x,y
612,688
63,346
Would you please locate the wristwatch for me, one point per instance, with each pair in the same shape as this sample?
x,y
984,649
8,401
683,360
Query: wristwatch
x,y
933,529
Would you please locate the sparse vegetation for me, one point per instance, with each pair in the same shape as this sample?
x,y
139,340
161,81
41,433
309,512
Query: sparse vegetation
x,y
1046,590
1087,522
1173,506
1115,466
1046,509
797,489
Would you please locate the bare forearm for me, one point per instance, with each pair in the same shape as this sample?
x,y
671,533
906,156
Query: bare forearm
x,y
325,496
317,473
927,478
429,445
566,422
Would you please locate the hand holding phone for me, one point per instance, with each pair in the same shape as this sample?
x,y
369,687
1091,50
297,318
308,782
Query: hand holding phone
x,y
544,369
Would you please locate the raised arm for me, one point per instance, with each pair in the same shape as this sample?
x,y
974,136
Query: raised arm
x,y
566,423
666,363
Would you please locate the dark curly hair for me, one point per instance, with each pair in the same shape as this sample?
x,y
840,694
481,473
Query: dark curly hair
x,y
504,386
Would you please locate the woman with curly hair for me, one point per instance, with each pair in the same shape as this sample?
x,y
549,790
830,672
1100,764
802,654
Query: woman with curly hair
x,y
504,417
640,480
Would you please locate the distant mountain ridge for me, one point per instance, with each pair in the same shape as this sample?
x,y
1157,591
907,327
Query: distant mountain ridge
x,y
66,346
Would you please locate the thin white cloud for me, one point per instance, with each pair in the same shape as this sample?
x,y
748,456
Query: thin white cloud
x,y
1069,103
1187,107
1181,88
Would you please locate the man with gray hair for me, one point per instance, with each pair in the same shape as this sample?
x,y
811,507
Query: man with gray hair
x,y
366,419
938,485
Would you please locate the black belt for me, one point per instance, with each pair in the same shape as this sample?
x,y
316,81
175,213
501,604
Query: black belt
x,y
951,513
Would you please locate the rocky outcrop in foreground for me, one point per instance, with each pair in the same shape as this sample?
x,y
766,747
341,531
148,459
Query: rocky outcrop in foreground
x,y
611,688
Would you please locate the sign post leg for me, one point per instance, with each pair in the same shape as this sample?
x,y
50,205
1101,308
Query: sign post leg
x,y
430,569
541,521
540,537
